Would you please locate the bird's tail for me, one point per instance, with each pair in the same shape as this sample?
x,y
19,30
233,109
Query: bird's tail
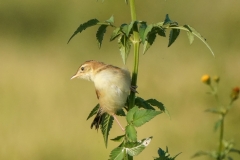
x,y
97,120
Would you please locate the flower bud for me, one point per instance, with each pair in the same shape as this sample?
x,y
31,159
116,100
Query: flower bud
x,y
206,79
235,93
216,79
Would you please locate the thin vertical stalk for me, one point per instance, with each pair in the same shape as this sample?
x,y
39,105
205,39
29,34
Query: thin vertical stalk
x,y
221,139
136,54
133,10
215,91
136,58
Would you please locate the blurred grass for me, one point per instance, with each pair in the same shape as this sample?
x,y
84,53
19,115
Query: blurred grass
x,y
43,113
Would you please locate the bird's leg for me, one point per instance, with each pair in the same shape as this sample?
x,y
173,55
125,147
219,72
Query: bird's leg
x,y
134,89
114,116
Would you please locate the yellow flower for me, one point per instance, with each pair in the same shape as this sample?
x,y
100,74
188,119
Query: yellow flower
x,y
206,79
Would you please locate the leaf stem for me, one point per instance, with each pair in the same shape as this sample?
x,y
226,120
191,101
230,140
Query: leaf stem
x,y
106,23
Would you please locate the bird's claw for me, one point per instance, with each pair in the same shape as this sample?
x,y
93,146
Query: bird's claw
x,y
134,89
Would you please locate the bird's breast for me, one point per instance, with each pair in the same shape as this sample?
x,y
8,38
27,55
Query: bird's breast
x,y
112,89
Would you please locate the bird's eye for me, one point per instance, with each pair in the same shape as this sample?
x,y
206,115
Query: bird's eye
x,y
82,68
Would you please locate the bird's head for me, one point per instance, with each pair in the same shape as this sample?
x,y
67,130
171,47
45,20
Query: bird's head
x,y
87,70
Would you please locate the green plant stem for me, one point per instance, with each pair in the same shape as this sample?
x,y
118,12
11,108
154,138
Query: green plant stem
x,y
133,10
134,75
221,138
215,93
136,44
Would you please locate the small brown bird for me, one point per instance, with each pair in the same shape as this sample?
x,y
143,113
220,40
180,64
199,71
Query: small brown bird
x,y
112,86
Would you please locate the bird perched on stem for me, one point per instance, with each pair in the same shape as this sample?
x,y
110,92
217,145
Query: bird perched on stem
x,y
112,85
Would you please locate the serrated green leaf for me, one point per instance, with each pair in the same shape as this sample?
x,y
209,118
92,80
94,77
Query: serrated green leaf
x,y
142,28
200,37
164,155
147,44
190,37
118,138
141,103
214,110
142,116
159,24
117,154
159,27
94,111
131,148
218,124
149,35
138,147
188,27
105,126
176,156
174,33
161,32
195,33
135,150
212,154
189,34
230,158
115,34
131,27
120,113
202,153
110,20
130,114
167,20
124,47
124,28
158,104
235,150
161,152
146,32
131,133
173,36
100,34
122,144
84,26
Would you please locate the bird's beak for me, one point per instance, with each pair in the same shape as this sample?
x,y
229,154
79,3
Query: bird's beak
x,y
75,76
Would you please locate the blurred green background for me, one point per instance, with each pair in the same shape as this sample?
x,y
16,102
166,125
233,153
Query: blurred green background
x,y
43,114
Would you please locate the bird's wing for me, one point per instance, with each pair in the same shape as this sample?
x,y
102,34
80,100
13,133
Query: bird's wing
x,y
97,93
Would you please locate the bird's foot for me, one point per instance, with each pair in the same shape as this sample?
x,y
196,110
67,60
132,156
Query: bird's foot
x,y
134,89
